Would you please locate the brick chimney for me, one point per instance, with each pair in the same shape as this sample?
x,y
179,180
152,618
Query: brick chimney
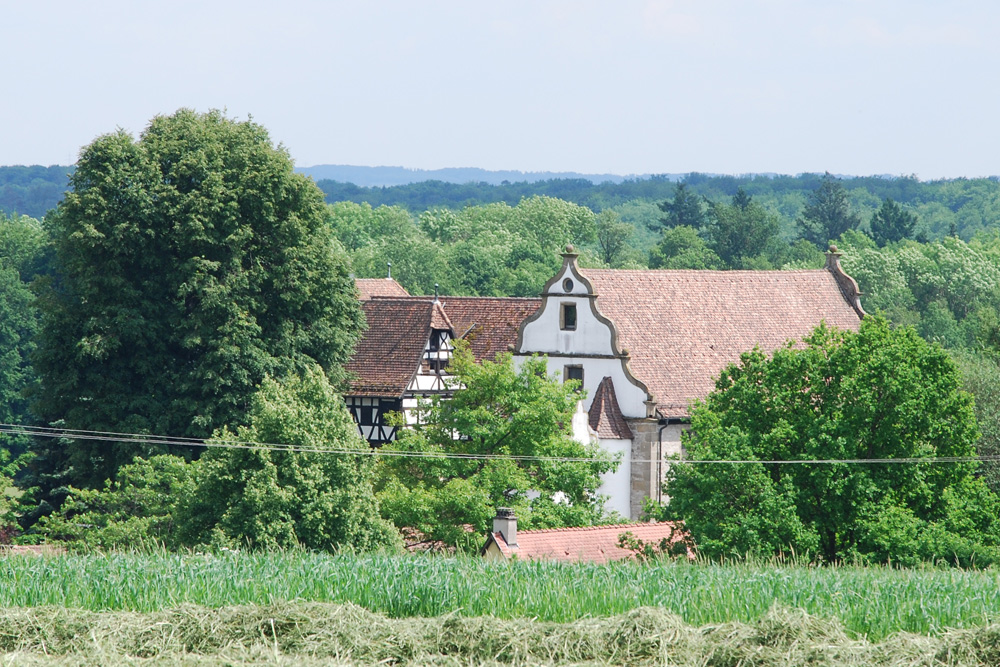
x,y
505,523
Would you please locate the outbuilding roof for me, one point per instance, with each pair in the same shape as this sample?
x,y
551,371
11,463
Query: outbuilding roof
x,y
682,328
594,544
391,349
370,287
488,324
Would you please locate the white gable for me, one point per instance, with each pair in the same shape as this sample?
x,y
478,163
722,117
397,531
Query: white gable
x,y
588,341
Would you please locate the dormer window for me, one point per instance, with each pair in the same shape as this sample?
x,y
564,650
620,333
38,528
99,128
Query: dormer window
x,y
567,317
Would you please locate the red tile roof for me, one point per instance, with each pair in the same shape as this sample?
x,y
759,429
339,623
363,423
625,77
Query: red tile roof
x,y
390,351
594,544
439,319
606,416
369,287
489,324
681,328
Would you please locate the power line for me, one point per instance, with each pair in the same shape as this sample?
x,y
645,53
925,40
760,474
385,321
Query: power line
x,y
172,441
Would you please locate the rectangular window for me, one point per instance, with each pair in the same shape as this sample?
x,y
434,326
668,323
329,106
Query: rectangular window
x,y
567,318
573,373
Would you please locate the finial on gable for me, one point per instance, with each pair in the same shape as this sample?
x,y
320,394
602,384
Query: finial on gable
x,y
848,286
389,265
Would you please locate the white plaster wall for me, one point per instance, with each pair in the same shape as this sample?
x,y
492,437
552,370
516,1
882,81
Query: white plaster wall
x,y
544,334
617,485
631,399
428,382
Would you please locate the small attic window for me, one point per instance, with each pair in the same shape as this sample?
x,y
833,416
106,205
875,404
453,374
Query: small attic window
x,y
568,285
567,317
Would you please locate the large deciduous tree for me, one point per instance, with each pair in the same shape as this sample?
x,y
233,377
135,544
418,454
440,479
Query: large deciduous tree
x,y
827,214
613,239
190,264
879,394
514,425
682,248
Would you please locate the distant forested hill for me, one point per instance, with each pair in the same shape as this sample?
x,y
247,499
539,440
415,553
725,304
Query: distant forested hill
x,y
32,190
961,206
387,176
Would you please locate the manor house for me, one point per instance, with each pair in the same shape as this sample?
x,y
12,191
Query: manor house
x,y
643,343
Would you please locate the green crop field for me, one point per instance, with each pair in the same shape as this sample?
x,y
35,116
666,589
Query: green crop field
x,y
870,602
311,609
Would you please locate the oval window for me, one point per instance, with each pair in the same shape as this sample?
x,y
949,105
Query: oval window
x,y
568,285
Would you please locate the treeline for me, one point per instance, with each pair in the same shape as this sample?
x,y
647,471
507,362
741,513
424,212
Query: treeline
x,y
961,207
33,190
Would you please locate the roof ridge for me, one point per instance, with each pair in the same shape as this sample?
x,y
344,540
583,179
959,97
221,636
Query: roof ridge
x,y
601,527
704,271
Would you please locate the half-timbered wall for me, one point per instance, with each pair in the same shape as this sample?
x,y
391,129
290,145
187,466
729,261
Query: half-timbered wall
x,y
370,415
430,379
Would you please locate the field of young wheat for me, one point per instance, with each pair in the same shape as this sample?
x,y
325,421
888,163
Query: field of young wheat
x,y
870,602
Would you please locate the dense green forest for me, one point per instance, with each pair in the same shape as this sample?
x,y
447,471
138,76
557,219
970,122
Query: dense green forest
x,y
34,190
961,207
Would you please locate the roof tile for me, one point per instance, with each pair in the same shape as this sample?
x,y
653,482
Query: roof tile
x,y
682,328
596,544
605,414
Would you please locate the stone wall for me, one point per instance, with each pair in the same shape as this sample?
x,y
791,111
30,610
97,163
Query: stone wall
x,y
649,449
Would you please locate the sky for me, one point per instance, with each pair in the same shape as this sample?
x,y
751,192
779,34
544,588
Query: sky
x,y
859,87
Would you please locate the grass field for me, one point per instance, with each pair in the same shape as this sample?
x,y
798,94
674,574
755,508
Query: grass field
x,y
870,603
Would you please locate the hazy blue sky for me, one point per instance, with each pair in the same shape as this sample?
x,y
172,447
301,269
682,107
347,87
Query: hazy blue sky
x,y
619,86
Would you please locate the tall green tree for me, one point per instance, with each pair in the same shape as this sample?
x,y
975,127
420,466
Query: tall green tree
x,y
511,415
24,247
376,237
190,264
686,208
613,237
827,214
892,223
881,393
683,248
502,250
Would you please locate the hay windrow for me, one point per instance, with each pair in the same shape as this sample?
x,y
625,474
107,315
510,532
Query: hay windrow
x,y
345,634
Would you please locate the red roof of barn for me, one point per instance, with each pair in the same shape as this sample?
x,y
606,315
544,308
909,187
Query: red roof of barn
x,y
682,328
488,324
594,544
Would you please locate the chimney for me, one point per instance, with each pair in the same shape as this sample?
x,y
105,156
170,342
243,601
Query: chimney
x,y
505,523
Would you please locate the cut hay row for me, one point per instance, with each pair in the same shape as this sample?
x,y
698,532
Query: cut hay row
x,y
869,602
316,633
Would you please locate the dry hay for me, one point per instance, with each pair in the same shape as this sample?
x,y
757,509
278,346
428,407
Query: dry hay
x,y
333,634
